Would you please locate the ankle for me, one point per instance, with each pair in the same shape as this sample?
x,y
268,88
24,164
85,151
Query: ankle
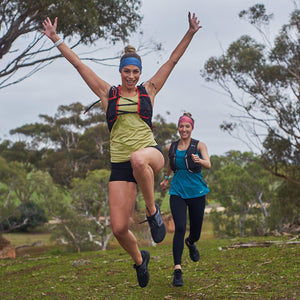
x,y
150,211
139,260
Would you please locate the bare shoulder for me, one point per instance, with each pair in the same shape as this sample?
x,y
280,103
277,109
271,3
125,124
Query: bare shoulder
x,y
201,146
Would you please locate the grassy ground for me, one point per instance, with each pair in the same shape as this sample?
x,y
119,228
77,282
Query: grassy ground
x,y
252,273
17,239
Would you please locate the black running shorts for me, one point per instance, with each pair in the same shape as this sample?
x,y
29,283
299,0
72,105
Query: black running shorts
x,y
123,171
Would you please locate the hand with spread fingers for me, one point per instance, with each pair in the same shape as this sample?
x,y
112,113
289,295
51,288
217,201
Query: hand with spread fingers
x,y
49,29
194,22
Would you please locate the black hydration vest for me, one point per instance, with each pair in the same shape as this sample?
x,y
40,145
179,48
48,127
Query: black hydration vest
x,y
190,164
144,107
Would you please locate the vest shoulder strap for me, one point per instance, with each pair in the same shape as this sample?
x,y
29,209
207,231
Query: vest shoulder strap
x,y
190,164
172,155
173,147
114,92
141,89
192,149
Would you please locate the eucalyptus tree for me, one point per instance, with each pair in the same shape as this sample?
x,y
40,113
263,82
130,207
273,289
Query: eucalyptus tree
x,y
262,80
245,190
23,49
90,200
69,143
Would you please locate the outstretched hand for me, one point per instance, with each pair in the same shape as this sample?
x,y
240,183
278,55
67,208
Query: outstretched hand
x,y
194,23
49,29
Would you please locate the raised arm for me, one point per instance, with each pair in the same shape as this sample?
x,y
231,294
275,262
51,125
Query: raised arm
x,y
154,85
97,85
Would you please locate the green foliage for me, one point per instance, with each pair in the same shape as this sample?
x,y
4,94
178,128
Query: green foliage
x,y
90,195
223,225
19,184
27,216
81,223
83,22
263,82
245,190
164,133
23,180
76,233
77,159
90,199
285,206
4,168
76,143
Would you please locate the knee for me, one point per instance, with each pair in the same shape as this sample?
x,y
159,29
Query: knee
x,y
180,229
119,231
137,162
194,236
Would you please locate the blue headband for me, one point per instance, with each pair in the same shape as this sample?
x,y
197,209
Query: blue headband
x,y
130,61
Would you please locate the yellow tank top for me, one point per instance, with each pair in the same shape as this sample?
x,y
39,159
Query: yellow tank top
x,y
129,133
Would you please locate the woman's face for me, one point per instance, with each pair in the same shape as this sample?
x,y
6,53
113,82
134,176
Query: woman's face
x,y
130,76
185,130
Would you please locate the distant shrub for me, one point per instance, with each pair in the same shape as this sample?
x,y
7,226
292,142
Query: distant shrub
x,y
27,216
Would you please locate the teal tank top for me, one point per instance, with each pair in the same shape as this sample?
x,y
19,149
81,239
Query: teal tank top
x,y
184,183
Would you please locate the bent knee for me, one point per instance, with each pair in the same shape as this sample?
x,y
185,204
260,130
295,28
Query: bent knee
x,y
137,161
119,231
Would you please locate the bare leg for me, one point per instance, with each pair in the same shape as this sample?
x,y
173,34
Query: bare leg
x,y
146,163
121,202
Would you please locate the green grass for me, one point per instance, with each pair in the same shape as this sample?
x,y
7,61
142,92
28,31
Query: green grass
x,y
252,273
17,239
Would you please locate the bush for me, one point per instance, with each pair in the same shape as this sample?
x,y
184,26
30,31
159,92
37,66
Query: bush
x,y
29,214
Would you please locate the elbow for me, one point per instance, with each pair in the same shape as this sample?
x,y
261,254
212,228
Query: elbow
x,y
174,62
207,166
77,66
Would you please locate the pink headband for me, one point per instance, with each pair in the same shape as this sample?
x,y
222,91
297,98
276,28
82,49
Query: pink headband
x,y
187,120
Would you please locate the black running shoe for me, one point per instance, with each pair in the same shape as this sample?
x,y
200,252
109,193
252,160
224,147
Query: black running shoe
x,y
177,279
142,270
194,253
157,226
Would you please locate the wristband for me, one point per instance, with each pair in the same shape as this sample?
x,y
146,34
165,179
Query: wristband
x,y
167,177
58,42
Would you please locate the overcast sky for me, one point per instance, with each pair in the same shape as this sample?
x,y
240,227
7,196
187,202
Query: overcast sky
x,y
164,21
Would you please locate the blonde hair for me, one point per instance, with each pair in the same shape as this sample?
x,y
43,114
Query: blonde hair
x,y
129,51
